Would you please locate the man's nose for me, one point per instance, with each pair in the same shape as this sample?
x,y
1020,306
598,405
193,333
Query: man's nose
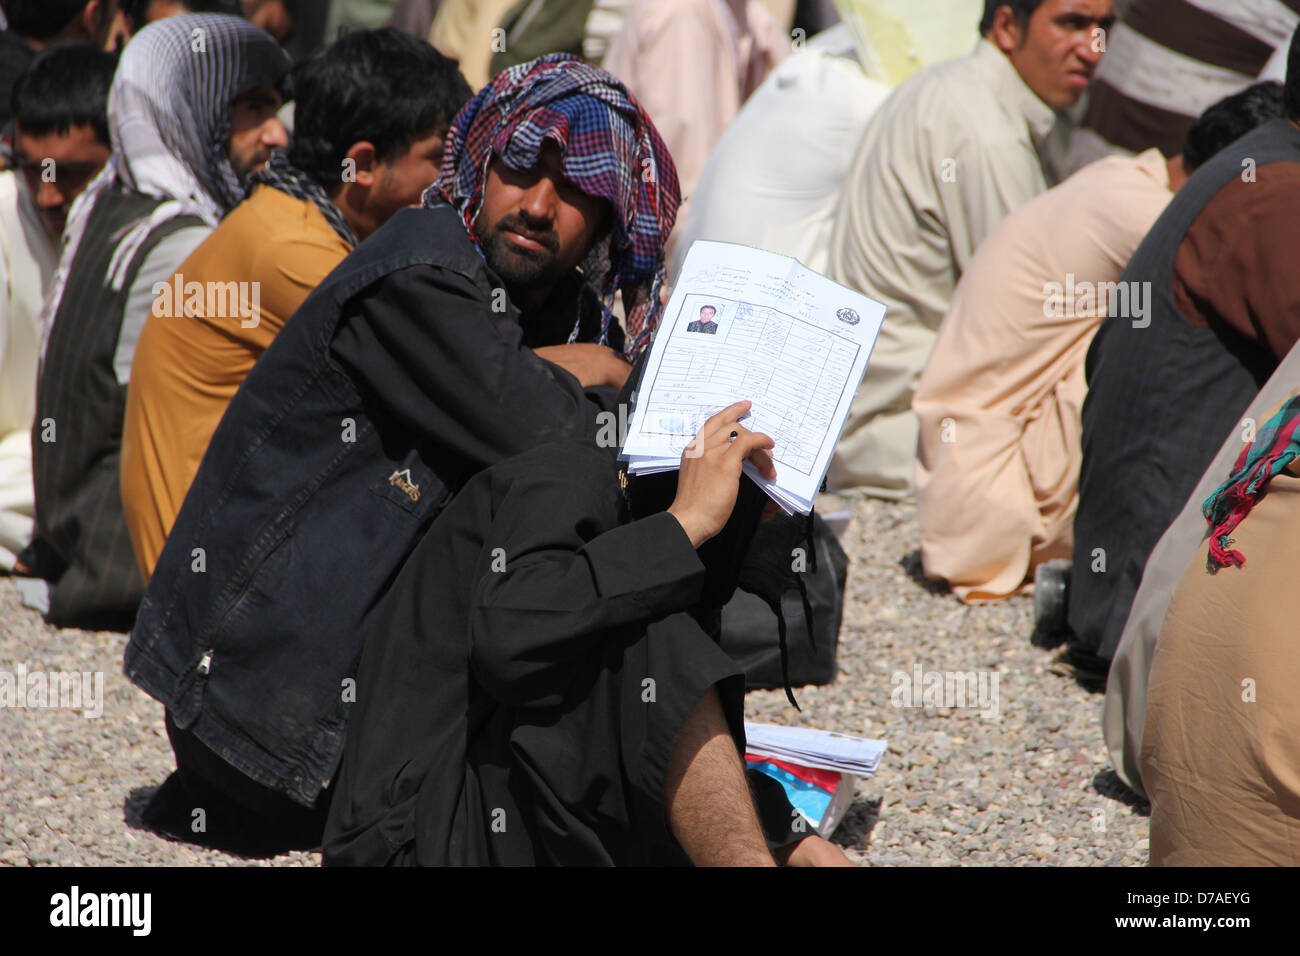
x,y
274,134
49,196
539,200
1093,45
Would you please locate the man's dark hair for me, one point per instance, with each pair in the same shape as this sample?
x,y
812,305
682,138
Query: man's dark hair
x,y
40,19
66,86
1230,119
382,86
1022,10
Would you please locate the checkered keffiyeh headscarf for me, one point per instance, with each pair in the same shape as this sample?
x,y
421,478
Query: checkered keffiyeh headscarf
x,y
611,149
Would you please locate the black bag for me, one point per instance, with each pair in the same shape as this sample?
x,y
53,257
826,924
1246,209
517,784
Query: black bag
x,y
775,601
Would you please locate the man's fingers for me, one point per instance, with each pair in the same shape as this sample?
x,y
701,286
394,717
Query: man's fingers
x,y
724,421
748,444
761,460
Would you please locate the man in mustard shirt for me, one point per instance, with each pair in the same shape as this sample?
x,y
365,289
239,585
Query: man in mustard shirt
x,y
371,114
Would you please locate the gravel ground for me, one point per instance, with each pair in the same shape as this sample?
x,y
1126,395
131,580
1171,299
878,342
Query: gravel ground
x,y
1029,786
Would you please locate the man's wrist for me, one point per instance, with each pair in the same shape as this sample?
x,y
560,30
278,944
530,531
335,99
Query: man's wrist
x,y
691,525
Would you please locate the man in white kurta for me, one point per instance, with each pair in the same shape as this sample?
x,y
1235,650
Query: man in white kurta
x,y
999,402
952,151
28,256
756,189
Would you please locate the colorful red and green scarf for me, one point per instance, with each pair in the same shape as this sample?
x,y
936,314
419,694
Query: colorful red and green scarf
x,y
1274,447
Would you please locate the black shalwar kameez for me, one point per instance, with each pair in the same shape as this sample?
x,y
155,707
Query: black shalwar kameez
x,y
525,679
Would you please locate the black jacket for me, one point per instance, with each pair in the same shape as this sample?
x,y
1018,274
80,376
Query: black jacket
x,y
393,383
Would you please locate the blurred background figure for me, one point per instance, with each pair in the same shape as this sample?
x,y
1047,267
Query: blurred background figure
x,y
414,16
757,190
379,101
895,38
957,147
33,25
463,30
692,64
1000,398
191,114
61,133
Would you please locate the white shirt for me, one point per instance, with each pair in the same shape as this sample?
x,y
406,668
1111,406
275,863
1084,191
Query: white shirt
x,y
757,189
28,258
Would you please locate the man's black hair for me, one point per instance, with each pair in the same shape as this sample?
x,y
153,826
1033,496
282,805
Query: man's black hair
x,y
1230,119
135,11
1022,10
66,86
382,86
40,19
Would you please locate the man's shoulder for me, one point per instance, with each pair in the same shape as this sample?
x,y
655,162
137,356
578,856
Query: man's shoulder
x,y
415,240
1115,188
272,214
267,228
431,236
946,86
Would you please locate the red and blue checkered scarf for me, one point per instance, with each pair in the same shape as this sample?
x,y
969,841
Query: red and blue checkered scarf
x,y
610,149
1275,446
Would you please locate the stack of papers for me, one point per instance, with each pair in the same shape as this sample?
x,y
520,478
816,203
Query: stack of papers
x,y
747,325
819,749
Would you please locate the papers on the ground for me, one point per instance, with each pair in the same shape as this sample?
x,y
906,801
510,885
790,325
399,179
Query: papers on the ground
x,y
819,749
743,324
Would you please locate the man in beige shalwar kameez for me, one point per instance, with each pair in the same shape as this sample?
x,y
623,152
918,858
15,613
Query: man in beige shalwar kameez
x,y
998,405
951,152
1219,756
999,402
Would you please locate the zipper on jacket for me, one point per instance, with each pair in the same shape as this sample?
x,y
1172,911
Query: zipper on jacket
x,y
205,663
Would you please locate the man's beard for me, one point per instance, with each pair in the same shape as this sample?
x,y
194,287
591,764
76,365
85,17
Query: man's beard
x,y
521,269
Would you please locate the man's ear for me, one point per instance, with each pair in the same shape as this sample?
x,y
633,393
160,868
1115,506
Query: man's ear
x,y
360,163
1007,33
96,17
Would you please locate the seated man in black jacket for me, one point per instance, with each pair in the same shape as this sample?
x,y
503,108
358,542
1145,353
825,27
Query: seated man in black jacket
x,y
542,684
436,349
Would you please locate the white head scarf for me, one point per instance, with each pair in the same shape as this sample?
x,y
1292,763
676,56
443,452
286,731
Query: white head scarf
x,y
168,122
